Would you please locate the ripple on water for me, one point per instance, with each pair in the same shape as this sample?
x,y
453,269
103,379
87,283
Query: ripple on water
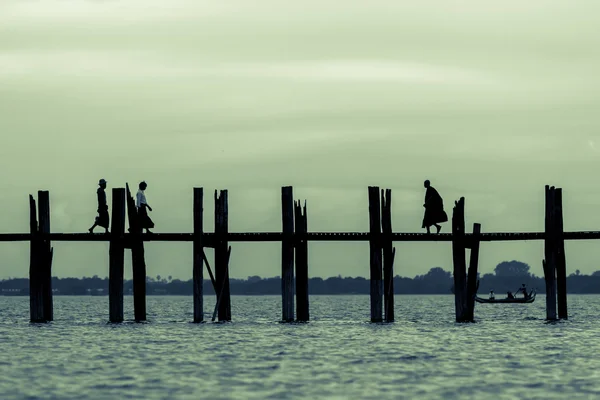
x,y
508,353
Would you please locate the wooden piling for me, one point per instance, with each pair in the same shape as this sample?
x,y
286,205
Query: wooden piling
x,y
549,263
472,281
561,265
375,254
301,227
116,256
221,255
36,295
287,254
138,260
198,270
458,255
389,253
45,253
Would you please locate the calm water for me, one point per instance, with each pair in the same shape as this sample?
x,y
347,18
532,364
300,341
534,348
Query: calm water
x,y
511,352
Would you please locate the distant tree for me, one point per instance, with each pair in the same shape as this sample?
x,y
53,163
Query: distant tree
x,y
158,278
596,273
438,273
577,272
512,269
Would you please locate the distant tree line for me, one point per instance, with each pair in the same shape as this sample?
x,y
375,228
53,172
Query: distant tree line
x,y
507,276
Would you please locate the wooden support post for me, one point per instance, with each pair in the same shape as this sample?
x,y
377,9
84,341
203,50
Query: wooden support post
x,y
301,227
472,281
221,290
375,254
287,254
138,260
45,253
549,263
561,262
221,255
36,295
116,256
198,270
458,255
389,253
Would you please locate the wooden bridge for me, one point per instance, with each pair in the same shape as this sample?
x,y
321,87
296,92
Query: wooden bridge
x,y
294,238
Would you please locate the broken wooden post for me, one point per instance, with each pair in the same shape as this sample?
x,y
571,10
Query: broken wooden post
x,y
45,253
138,260
549,263
198,261
458,255
221,290
36,295
221,255
472,281
301,228
561,264
375,254
116,256
389,253
287,254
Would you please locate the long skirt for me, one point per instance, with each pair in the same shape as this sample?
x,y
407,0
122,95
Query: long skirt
x,y
103,219
434,216
144,219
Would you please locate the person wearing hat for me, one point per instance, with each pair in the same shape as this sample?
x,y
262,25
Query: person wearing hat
x,y
102,219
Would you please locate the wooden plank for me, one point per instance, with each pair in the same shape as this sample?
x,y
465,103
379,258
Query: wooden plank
x,y
36,296
116,256
549,264
301,254
375,270
221,290
561,264
45,253
472,275
287,254
138,260
458,256
221,248
389,254
198,260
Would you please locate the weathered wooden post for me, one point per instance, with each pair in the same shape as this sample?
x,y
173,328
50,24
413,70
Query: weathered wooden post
x,y
36,294
472,281
116,256
301,228
549,263
561,264
287,254
198,270
138,260
389,253
221,256
375,254
45,253
458,255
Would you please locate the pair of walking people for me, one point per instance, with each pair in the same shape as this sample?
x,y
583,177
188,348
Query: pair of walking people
x,y
141,204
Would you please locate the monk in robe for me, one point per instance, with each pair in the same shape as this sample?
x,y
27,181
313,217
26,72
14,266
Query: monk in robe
x,y
103,218
434,209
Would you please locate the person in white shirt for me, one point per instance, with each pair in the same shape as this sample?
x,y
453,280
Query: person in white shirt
x,y
142,208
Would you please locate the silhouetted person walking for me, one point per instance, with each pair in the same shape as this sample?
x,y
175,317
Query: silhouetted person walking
x,y
142,208
434,208
102,219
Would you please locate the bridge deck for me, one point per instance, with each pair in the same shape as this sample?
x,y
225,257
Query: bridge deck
x,y
311,236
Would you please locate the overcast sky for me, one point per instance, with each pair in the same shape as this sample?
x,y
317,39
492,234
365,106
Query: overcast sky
x,y
489,100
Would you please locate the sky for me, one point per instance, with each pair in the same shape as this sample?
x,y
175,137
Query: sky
x,y
488,100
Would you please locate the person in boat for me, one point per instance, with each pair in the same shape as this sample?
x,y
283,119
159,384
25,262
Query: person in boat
x,y
509,295
492,297
143,207
103,218
523,289
434,208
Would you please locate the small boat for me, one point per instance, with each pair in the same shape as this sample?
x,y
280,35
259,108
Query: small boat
x,y
529,299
